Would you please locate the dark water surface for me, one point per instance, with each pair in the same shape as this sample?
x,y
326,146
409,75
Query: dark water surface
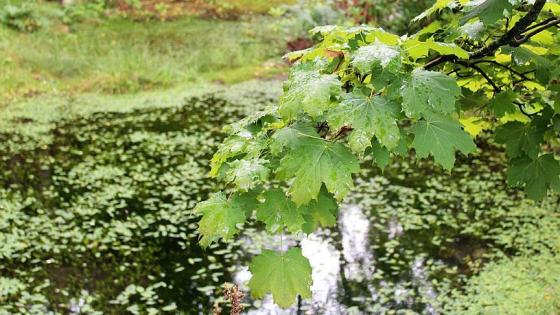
x,y
102,218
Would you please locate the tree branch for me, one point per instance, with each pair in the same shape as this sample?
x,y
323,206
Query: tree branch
x,y
496,88
520,74
536,30
509,37
521,107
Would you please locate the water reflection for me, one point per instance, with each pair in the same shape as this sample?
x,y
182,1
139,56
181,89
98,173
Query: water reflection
x,y
326,261
355,227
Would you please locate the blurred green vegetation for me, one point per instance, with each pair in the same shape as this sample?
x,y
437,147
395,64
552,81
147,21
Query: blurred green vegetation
x,y
118,55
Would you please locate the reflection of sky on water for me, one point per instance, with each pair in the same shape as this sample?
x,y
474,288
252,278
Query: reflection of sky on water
x,y
325,260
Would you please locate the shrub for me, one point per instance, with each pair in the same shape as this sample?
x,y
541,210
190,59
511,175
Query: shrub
x,y
22,18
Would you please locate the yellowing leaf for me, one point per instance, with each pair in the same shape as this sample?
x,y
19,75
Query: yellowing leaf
x,y
382,36
533,86
552,7
436,7
417,49
537,50
503,58
474,125
544,38
517,116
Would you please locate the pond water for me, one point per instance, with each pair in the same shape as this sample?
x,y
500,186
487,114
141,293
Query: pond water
x,y
99,219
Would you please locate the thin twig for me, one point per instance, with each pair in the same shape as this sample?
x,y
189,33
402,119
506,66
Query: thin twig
x,y
522,109
535,31
520,74
496,88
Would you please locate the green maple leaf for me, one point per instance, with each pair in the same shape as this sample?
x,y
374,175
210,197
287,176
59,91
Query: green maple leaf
x,y
285,275
520,139
278,211
537,175
320,212
233,147
315,161
246,201
440,136
376,53
220,218
246,173
488,11
436,7
502,103
381,155
310,91
292,137
427,92
368,116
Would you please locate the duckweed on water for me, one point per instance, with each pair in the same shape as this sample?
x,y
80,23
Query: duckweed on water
x,y
96,218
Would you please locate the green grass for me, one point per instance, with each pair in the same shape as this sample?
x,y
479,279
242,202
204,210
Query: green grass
x,y
118,56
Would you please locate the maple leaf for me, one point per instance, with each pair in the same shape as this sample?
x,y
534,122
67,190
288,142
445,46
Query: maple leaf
x,y
235,146
368,116
376,53
315,161
440,136
220,218
310,91
381,155
417,49
285,275
488,11
502,103
520,139
291,137
320,212
278,211
537,175
436,7
427,92
246,173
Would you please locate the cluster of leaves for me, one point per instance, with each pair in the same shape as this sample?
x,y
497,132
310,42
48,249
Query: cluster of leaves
x,y
362,91
82,11
22,18
394,16
98,218
297,19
